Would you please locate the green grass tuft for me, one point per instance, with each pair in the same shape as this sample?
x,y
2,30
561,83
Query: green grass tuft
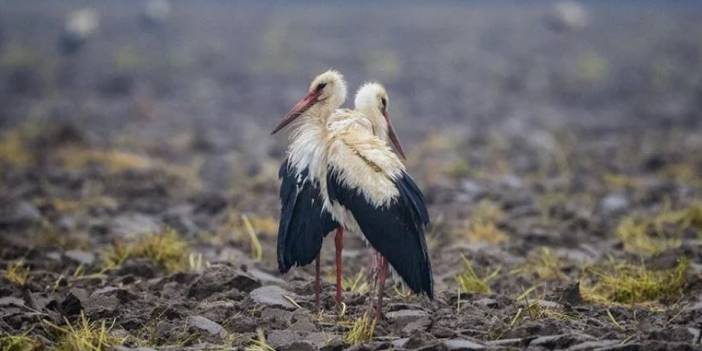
x,y
84,336
362,330
629,284
167,249
18,343
17,273
470,282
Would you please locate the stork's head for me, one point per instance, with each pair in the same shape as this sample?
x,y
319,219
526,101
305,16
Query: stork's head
x,y
372,100
326,93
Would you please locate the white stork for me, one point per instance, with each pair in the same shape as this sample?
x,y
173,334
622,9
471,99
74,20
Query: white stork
x,y
369,191
304,222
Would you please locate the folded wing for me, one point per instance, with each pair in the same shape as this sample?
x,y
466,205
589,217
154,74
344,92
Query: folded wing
x,y
366,178
303,220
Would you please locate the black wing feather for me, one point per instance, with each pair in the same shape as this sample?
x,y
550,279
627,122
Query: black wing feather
x,y
395,230
303,220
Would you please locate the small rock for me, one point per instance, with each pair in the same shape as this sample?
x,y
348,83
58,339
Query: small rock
x,y
55,256
614,202
403,317
511,342
280,339
11,301
696,334
571,294
409,321
302,345
277,318
471,189
694,308
266,278
560,341
180,219
511,181
593,345
421,340
548,304
80,256
244,324
276,314
139,267
124,348
123,295
630,347
134,225
272,296
303,325
336,344
486,302
204,324
400,343
222,279
70,306
325,341
463,345
421,324
18,213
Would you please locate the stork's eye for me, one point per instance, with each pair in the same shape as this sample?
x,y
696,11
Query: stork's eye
x,y
384,102
321,86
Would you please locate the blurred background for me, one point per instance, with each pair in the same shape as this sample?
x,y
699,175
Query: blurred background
x,y
571,127
174,100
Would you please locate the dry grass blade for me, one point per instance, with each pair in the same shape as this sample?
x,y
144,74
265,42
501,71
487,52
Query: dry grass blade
x,y
362,330
470,282
629,284
19,343
256,249
84,336
356,284
260,343
167,249
17,273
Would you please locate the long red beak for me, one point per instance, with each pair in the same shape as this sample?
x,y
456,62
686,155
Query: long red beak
x,y
393,137
300,107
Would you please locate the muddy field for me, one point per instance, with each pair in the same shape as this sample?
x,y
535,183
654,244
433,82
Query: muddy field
x,y
561,160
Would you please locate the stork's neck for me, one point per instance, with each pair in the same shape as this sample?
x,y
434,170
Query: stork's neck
x,y
380,126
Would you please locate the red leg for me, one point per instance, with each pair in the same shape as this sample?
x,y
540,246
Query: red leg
x,y
317,282
382,274
339,242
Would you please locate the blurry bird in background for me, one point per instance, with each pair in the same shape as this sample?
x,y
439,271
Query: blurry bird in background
x,y
80,26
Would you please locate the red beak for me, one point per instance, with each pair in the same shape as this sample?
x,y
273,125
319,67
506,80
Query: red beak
x,y
298,110
393,137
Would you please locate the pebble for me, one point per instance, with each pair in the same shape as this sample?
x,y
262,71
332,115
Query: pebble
x,y
80,256
462,345
204,324
273,296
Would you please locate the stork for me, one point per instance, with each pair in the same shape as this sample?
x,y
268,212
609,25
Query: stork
x,y
304,220
369,191
306,211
